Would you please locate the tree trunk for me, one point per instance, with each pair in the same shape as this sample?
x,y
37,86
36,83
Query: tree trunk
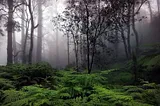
x,y
84,55
76,51
134,30
15,49
129,32
24,46
35,47
135,68
93,54
124,42
158,5
31,33
81,50
10,31
68,49
87,34
22,34
150,10
77,60
39,38
116,45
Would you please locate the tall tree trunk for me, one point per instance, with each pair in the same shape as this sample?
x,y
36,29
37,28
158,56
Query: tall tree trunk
x,y
116,45
134,29
10,31
76,51
39,38
34,54
150,10
31,33
93,54
24,46
57,40
81,50
84,55
68,49
15,49
22,34
129,31
135,68
158,5
88,45
124,42
57,49
76,57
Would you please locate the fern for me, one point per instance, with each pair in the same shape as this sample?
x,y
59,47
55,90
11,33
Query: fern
x,y
5,84
29,95
12,96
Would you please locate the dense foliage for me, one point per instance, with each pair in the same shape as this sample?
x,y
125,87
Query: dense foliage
x,y
40,85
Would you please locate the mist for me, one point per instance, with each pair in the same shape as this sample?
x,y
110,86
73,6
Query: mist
x,y
79,52
54,38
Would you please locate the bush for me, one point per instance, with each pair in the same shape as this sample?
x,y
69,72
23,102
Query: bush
x,y
149,86
135,90
22,74
121,77
28,95
5,84
137,96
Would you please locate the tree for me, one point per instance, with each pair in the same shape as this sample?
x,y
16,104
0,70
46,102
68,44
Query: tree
x,y
14,48
10,31
126,17
93,25
12,7
65,27
158,6
150,10
39,37
134,13
23,35
106,18
3,17
134,28
33,26
71,27
135,67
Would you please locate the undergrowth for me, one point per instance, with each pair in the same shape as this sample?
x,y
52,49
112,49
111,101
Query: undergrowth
x,y
40,85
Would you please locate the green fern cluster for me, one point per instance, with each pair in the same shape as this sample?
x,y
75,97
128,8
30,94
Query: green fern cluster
x,y
29,96
76,85
148,93
40,86
5,84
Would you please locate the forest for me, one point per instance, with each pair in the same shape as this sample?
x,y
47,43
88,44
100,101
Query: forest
x,y
79,52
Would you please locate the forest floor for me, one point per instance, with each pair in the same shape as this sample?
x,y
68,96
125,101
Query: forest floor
x,y
40,85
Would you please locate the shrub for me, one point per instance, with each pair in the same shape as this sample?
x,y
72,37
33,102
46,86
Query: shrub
x,y
119,77
135,90
5,84
137,96
29,95
149,96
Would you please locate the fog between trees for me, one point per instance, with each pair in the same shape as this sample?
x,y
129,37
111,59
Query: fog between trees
x,y
79,33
